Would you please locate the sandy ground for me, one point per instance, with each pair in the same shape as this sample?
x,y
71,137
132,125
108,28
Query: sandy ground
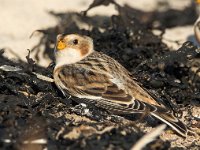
x,y
19,18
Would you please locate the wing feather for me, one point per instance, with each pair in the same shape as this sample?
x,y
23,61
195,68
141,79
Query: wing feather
x,y
100,85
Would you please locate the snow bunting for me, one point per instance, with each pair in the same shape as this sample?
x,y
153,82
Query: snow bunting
x,y
197,29
197,22
98,79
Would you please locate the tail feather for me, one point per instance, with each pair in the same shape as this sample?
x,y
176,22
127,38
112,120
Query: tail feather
x,y
172,121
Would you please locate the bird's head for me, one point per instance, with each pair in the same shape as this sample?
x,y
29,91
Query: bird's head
x,y
72,48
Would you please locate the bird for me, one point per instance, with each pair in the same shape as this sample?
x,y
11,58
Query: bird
x,y
97,79
197,22
197,30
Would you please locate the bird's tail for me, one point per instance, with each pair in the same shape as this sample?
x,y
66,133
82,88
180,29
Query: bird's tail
x,y
172,121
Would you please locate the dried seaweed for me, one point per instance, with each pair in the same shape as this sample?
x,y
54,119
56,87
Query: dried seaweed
x,y
32,109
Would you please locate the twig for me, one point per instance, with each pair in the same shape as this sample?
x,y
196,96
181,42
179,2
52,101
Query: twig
x,y
149,137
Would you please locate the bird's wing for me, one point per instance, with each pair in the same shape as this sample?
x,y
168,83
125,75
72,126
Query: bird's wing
x,y
97,87
104,90
100,86
112,97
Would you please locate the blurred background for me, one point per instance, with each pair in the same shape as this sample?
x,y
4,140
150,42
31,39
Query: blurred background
x,y
20,18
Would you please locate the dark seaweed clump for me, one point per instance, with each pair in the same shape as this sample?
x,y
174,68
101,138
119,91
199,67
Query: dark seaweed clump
x,y
31,108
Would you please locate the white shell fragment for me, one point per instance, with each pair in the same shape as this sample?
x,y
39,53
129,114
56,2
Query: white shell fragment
x,y
42,77
9,68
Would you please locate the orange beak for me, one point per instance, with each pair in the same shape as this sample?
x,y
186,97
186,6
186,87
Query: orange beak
x,y
60,45
60,42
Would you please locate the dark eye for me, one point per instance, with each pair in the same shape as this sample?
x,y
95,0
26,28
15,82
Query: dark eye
x,y
75,42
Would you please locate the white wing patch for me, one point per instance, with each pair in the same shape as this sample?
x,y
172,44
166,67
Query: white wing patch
x,y
118,83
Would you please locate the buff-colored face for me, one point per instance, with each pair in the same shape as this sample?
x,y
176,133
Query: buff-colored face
x,y
72,48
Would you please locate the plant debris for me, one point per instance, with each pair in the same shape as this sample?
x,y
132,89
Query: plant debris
x,y
35,115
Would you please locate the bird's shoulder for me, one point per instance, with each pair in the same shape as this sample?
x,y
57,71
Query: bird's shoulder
x,y
106,63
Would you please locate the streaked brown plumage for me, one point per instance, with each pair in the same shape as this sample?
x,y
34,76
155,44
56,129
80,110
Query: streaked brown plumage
x,y
98,79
